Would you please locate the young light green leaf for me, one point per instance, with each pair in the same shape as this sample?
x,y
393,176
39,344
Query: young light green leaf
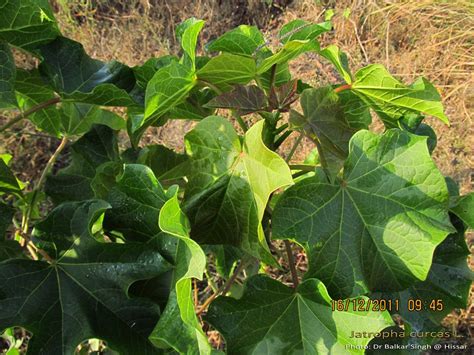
x,y
243,99
301,30
32,91
27,23
178,326
226,70
392,99
73,183
169,87
375,228
289,51
187,33
243,40
275,319
7,77
339,59
78,77
230,183
83,294
144,73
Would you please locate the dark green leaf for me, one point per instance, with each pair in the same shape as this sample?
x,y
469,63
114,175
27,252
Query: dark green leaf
x,y
230,183
78,77
281,97
27,23
9,249
243,40
243,99
271,318
194,107
82,295
6,215
32,91
226,70
165,163
464,209
7,76
136,200
73,183
69,221
392,99
375,228
77,118
8,181
301,30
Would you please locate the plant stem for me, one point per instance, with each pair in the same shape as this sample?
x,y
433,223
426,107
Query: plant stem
x,y
342,88
240,121
281,139
291,262
302,167
293,149
40,182
223,289
32,110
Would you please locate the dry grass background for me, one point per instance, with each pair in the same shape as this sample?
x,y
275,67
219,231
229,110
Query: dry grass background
x,y
427,38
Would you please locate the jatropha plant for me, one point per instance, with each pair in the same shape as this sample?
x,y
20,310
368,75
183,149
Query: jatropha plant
x,y
131,230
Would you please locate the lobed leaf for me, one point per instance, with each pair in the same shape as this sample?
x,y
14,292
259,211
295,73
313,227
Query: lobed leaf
x,y
187,33
243,40
377,226
7,76
339,59
272,318
243,99
301,30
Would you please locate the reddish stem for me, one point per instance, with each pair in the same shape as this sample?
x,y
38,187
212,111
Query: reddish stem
x,y
342,88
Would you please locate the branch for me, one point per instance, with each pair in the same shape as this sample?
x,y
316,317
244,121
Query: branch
x,y
291,262
32,110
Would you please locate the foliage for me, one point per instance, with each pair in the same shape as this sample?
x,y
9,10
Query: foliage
x,y
131,231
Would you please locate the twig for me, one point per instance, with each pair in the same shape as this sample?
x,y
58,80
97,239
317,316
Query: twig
x,y
32,110
291,262
223,289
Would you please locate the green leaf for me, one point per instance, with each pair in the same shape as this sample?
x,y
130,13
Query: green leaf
x,y
27,23
6,216
77,118
78,77
392,99
73,183
339,59
194,107
187,33
289,51
82,295
464,209
8,181
169,87
226,70
325,121
165,163
230,183
274,319
136,200
178,326
377,226
9,249
243,99
7,76
446,287
243,40
301,30
69,221
32,91
144,73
